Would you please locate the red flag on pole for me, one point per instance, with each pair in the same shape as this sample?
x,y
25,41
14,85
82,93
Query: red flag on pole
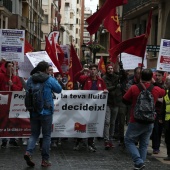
x,y
101,66
52,55
96,19
70,75
111,23
60,54
76,67
135,46
28,47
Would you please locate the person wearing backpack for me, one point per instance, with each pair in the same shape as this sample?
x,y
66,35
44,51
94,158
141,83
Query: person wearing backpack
x,y
143,98
40,86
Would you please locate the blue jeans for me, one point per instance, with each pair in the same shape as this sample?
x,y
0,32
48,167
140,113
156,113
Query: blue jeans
x,y
44,123
137,132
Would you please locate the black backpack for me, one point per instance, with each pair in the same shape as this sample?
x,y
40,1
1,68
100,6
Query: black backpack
x,y
144,111
34,101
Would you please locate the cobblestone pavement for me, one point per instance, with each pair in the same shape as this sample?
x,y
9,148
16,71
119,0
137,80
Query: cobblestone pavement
x,y
65,158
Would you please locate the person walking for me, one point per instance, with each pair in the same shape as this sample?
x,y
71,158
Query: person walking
x,y
140,132
42,121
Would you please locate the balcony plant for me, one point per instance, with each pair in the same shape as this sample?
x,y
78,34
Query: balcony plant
x,y
94,46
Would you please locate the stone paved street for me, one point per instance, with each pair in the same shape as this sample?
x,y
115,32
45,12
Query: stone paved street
x,y
65,158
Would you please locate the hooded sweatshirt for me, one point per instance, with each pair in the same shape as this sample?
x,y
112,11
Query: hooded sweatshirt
x,y
50,85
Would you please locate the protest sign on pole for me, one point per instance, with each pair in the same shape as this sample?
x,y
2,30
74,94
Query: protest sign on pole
x,y
12,44
163,62
36,57
77,113
130,62
64,65
24,68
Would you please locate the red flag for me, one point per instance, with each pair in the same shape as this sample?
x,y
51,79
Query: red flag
x,y
60,54
96,19
76,67
52,55
101,65
135,46
28,47
111,23
70,75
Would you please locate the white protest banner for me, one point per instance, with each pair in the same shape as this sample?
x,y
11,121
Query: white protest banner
x,y
36,57
163,62
12,44
3,99
130,62
24,68
17,106
66,51
77,113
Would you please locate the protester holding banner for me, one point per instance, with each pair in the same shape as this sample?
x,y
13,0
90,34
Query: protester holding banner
x,y
113,86
91,82
9,82
42,120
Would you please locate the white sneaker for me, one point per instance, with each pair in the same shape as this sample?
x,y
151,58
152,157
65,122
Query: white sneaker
x,y
25,142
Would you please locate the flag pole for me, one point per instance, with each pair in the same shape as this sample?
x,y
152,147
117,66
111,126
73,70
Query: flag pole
x,y
121,26
120,57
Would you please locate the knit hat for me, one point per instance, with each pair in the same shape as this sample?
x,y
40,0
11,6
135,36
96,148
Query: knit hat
x,y
109,65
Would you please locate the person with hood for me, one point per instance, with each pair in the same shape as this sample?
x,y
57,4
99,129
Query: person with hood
x,y
9,82
42,121
112,83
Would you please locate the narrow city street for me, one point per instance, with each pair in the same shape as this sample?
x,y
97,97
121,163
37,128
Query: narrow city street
x,y
65,158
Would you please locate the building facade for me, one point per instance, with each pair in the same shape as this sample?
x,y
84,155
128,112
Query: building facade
x,y
27,15
5,12
51,18
71,21
135,17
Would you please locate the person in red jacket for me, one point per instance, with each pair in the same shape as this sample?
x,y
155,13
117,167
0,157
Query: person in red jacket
x,y
90,81
139,132
9,82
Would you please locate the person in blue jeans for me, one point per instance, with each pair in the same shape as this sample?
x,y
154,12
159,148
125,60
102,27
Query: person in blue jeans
x,y
138,132
42,122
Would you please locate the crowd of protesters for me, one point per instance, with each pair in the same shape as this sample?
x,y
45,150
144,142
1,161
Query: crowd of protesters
x,y
122,96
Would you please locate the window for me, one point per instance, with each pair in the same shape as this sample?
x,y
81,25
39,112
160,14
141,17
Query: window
x,y
45,20
77,31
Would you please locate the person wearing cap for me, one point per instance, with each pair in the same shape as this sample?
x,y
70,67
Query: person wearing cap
x,y
112,84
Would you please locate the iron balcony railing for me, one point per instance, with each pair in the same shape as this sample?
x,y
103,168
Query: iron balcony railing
x,y
7,4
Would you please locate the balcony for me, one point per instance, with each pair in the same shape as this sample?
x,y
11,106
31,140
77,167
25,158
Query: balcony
x,y
136,7
7,4
14,21
24,22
